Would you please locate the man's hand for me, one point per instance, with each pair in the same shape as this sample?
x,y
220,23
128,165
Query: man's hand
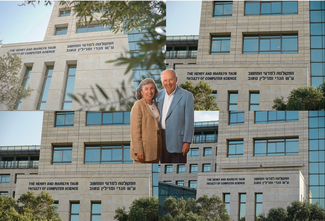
x,y
186,148
140,157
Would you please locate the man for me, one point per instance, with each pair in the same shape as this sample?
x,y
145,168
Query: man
x,y
176,107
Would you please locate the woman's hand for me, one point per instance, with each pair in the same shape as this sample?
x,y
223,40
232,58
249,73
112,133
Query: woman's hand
x,y
140,157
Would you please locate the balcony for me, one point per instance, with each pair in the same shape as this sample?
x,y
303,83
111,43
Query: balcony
x,y
19,164
9,150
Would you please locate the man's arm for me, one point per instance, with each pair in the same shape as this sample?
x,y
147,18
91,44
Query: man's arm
x,y
189,123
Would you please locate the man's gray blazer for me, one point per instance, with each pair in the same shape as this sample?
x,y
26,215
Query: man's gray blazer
x,y
179,119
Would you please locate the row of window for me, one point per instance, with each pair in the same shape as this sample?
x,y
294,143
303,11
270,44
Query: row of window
x,y
254,101
83,29
193,168
257,8
96,210
100,154
191,183
5,178
194,152
257,44
19,162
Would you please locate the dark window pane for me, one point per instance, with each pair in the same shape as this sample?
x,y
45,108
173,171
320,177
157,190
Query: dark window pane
x,y
252,8
290,7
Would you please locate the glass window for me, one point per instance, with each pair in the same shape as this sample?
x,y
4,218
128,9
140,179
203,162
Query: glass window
x,y
220,45
93,28
74,211
4,178
180,182
192,184
45,88
236,117
226,200
61,31
64,119
193,168
194,152
4,194
254,101
100,118
107,154
242,205
168,169
275,147
180,168
276,116
207,151
222,9
65,13
62,155
206,168
24,84
96,211
235,148
258,8
270,44
233,101
70,80
258,204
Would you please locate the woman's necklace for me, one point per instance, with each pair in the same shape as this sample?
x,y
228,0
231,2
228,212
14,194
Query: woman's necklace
x,y
150,106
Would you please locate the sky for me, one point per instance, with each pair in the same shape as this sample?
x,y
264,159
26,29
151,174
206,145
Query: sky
x,y
28,23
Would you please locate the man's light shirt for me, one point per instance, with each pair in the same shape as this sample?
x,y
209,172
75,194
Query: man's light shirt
x,y
167,101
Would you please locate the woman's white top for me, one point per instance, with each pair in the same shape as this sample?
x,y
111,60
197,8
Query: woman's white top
x,y
155,112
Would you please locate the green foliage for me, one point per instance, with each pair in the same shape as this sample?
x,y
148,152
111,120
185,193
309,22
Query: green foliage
x,y
203,100
303,98
144,208
202,209
28,207
11,89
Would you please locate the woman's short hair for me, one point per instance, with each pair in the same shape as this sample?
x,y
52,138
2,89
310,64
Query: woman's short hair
x,y
146,81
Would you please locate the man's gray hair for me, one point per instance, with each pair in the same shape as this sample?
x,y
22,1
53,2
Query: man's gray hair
x,y
146,81
170,69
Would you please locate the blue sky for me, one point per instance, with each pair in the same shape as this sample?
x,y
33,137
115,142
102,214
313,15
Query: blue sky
x,y
28,23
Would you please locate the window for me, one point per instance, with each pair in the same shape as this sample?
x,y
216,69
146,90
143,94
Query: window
x,y
193,168
206,167
235,148
99,118
268,44
192,184
180,168
258,204
194,152
276,116
3,193
65,13
233,101
61,31
207,151
93,28
74,211
96,211
102,154
70,80
222,9
254,101
242,205
4,178
24,84
180,182
168,169
45,88
167,181
226,200
271,8
56,206
205,137
276,147
62,155
155,175
220,45
64,119
236,117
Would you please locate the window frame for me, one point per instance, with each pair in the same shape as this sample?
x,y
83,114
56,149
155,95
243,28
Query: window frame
x,y
258,203
254,104
229,103
65,113
192,168
87,27
4,178
61,148
179,181
47,78
64,12
123,147
223,3
242,203
67,77
237,114
209,149
277,119
178,168
235,142
61,30
227,204
92,212
191,152
74,214
125,120
190,182
168,169
276,141
268,14
220,40
204,167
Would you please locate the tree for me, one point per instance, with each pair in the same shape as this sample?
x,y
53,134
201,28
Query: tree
x,y
203,100
29,207
124,16
11,89
303,98
204,208
144,208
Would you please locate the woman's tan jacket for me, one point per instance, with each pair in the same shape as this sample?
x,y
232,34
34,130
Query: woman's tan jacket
x,y
144,136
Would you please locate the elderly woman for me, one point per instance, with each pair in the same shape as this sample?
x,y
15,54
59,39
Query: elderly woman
x,y
145,126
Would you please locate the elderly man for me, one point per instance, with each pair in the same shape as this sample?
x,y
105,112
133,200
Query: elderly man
x,y
176,107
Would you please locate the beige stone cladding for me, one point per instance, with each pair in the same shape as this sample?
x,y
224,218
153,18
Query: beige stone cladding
x,y
88,51
95,181
279,188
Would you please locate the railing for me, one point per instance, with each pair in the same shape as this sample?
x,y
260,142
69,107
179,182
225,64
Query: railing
x,y
20,148
205,139
171,55
206,124
19,164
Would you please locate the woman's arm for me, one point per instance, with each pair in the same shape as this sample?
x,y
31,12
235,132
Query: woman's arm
x,y
136,128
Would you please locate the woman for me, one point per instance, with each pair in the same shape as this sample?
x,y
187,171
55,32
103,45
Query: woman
x,y
145,124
